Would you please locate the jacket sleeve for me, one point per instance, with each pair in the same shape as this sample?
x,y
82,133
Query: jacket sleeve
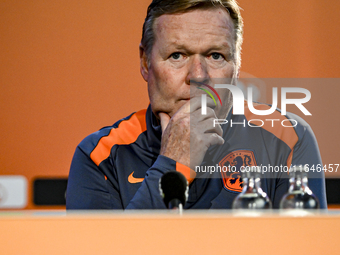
x,y
89,188
306,152
148,195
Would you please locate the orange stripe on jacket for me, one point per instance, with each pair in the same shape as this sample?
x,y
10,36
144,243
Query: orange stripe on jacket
x,y
186,171
290,158
127,132
285,134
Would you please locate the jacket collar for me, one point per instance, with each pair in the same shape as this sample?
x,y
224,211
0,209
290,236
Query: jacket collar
x,y
154,131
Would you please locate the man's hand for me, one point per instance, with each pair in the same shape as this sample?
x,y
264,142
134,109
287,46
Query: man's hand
x,y
189,132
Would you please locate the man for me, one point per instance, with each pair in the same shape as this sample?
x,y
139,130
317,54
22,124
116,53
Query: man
x,y
185,45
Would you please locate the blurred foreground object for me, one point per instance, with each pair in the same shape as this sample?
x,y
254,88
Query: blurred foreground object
x,y
299,195
252,196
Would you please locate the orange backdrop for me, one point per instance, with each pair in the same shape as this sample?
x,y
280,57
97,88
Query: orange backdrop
x,y
68,68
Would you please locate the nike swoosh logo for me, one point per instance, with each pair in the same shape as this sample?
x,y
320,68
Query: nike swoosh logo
x,y
132,179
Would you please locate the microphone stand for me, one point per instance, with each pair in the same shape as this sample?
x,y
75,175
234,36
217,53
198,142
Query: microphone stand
x,y
176,205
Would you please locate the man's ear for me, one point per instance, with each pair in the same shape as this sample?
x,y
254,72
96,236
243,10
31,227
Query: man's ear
x,y
144,70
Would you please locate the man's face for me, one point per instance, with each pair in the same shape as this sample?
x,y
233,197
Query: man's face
x,y
193,45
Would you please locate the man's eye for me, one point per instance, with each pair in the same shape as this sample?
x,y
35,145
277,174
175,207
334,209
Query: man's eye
x,y
176,55
216,56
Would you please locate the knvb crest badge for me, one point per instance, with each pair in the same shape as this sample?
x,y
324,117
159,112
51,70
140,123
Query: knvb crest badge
x,y
232,179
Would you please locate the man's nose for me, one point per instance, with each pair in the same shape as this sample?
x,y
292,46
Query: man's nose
x,y
197,70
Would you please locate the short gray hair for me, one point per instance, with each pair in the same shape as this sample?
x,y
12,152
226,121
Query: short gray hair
x,y
160,7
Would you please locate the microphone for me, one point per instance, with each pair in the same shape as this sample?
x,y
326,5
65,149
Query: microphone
x,y
174,189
